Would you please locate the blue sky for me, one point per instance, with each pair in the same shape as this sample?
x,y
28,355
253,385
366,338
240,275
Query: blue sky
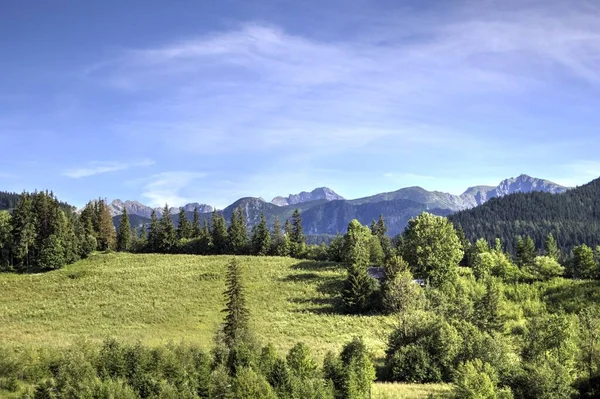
x,y
209,101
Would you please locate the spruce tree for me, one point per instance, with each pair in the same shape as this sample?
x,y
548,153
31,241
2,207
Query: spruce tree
x,y
167,235
261,239
488,308
238,233
279,241
359,286
204,240
219,234
584,264
153,232
124,232
552,247
106,230
287,228
183,226
23,232
526,251
196,229
296,235
236,325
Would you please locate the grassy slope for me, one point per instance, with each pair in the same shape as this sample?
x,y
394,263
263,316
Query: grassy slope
x,y
161,298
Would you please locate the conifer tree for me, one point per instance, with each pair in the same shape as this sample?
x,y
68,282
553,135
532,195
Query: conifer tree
x,y
297,234
238,233
236,326
280,245
552,247
183,226
584,264
124,232
167,235
106,230
23,232
287,228
526,251
153,232
359,286
261,239
204,240
488,309
218,233
196,229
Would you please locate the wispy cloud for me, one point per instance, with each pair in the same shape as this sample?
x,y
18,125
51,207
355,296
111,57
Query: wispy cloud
x,y
169,188
96,168
580,172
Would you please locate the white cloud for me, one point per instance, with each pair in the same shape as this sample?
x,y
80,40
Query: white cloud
x,y
166,188
580,172
96,168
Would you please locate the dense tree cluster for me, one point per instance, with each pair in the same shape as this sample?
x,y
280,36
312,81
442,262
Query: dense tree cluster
x,y
42,234
572,217
220,237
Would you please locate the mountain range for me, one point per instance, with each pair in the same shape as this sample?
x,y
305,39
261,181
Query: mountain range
x,y
326,212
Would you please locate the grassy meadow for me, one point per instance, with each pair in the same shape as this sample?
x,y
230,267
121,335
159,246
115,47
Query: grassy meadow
x,y
156,299
161,298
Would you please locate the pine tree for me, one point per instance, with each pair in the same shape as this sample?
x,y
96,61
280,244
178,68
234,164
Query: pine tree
x,y
526,251
584,264
296,235
23,232
552,247
279,242
218,234
261,239
167,235
359,286
488,309
238,233
196,229
287,228
236,326
204,240
106,230
184,229
124,232
153,233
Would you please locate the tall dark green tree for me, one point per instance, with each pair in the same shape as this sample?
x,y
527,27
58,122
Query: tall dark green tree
x,y
552,247
105,235
153,232
584,264
238,233
218,234
359,286
488,309
167,235
297,244
280,244
124,232
237,317
261,238
526,251
23,232
196,228
184,230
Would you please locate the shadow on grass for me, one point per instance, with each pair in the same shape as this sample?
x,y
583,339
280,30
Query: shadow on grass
x,y
329,302
302,278
315,265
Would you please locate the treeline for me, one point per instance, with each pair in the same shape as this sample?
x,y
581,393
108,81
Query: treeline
x,y
41,234
572,217
238,366
8,200
215,238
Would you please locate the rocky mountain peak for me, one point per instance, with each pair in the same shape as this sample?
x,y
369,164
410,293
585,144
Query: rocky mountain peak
x,y
321,193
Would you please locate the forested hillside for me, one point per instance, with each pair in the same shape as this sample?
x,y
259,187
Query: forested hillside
x,y
572,217
8,200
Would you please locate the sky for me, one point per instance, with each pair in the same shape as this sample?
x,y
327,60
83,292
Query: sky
x,y
208,101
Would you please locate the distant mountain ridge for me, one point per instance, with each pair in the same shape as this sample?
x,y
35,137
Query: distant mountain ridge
x,y
321,193
136,208
326,212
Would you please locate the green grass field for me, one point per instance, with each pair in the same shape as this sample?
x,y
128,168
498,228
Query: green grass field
x,y
160,298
